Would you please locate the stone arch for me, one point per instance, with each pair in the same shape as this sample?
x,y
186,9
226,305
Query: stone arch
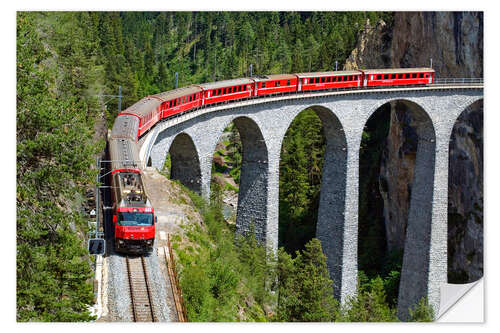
x,y
415,272
254,175
185,162
465,196
330,227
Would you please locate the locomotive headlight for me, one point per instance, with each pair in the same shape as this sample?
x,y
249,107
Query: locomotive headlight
x,y
120,242
149,241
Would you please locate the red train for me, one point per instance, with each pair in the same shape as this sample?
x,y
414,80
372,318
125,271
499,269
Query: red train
x,y
133,215
133,218
152,109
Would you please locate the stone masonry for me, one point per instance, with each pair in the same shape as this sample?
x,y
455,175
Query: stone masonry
x,y
262,124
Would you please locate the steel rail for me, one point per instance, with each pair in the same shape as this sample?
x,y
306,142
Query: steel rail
x,y
140,290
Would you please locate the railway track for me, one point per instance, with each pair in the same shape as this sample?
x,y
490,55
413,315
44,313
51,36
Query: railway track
x,y
140,290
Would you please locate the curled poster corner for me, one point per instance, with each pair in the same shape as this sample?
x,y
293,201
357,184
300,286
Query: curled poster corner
x,y
462,303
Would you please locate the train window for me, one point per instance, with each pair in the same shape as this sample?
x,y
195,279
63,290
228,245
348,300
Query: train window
x,y
322,80
334,79
386,76
414,75
400,76
379,77
393,76
421,75
263,84
287,82
278,83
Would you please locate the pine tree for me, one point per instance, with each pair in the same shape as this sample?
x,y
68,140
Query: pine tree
x,y
305,288
54,154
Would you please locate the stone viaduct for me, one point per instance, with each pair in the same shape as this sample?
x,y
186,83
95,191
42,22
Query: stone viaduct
x,y
262,123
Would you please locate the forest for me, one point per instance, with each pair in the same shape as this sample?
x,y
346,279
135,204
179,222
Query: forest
x,y
68,61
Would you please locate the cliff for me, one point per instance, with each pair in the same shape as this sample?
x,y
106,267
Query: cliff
x,y
454,41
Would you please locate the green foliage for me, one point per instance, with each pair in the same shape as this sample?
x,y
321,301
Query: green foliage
x,y
55,149
305,288
422,312
370,303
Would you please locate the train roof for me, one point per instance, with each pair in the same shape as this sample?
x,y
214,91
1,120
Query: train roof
x,y
124,154
179,92
226,83
397,70
144,106
335,73
125,126
275,77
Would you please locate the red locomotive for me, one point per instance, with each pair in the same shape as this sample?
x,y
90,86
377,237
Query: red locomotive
x,y
133,215
133,218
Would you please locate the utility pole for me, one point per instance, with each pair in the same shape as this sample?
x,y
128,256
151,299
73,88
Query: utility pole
x,y
97,194
176,79
215,66
336,63
114,96
119,99
431,62
251,70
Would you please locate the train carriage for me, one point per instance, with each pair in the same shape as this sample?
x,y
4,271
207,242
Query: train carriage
x,y
224,91
329,80
275,84
147,110
397,76
180,100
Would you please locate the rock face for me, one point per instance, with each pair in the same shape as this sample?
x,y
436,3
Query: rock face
x,y
454,41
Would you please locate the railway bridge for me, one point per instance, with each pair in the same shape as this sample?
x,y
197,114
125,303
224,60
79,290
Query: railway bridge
x,y
262,123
